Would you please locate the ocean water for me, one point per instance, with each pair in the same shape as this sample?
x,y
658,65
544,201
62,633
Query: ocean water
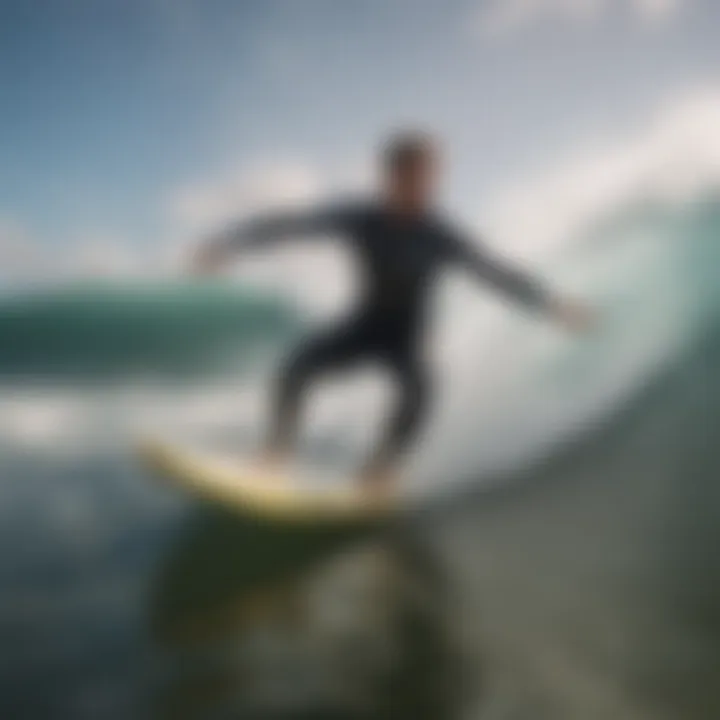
x,y
562,565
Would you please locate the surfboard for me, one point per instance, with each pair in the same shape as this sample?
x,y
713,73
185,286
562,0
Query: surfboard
x,y
237,486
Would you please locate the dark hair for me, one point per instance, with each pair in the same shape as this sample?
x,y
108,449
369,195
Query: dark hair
x,y
405,148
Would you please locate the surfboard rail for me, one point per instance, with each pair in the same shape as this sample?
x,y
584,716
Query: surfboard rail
x,y
239,487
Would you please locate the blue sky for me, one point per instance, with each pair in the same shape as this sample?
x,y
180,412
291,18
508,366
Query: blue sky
x,y
110,107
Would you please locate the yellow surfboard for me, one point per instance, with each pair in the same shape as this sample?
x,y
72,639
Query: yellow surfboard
x,y
237,486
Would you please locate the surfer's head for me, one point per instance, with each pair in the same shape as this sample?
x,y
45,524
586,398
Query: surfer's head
x,y
410,161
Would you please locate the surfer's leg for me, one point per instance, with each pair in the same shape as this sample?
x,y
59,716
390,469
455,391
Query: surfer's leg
x,y
406,421
330,351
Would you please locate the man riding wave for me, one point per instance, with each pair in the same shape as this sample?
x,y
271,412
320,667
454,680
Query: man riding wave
x,y
401,242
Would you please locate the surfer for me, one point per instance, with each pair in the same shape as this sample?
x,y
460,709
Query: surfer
x,y
401,242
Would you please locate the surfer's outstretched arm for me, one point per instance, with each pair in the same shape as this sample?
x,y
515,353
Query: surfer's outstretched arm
x,y
266,229
518,285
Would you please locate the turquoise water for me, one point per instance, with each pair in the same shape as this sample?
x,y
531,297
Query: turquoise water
x,y
108,331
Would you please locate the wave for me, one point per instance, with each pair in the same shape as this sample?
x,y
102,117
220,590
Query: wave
x,y
100,331
517,388
511,389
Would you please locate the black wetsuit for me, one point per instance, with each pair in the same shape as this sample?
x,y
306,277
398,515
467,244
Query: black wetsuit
x,y
398,258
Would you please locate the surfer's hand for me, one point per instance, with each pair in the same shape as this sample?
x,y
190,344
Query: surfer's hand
x,y
208,259
576,317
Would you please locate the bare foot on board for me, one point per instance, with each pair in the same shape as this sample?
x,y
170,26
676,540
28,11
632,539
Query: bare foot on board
x,y
272,466
380,485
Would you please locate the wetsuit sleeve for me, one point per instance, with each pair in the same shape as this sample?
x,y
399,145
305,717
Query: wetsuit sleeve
x,y
497,272
267,229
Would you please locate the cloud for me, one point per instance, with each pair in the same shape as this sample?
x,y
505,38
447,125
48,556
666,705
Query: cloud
x,y
108,256
19,255
190,211
23,258
654,11
673,158
201,206
500,18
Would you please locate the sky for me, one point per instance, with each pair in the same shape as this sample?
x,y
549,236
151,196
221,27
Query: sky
x,y
132,125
